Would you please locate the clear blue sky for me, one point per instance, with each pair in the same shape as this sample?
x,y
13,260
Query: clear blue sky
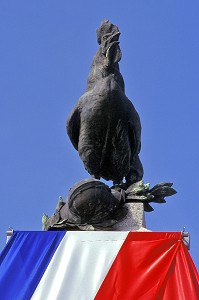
x,y
46,48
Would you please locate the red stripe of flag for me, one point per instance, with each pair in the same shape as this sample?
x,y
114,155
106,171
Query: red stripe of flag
x,y
151,266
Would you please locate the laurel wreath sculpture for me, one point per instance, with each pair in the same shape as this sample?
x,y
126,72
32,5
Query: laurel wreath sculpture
x,y
140,192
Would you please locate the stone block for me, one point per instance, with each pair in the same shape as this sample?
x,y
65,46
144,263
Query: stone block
x,y
134,220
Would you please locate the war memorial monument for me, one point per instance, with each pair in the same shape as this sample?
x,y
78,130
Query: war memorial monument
x,y
105,128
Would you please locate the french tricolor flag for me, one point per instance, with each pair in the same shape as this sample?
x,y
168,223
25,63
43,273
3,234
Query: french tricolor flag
x,y
97,265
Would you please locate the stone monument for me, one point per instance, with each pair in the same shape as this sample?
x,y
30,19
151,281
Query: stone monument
x,y
104,127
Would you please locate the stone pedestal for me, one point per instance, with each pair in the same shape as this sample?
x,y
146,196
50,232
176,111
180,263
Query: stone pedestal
x,y
134,220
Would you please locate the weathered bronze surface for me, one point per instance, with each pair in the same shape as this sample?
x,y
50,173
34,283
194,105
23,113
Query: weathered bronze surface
x,y
92,205
104,126
105,129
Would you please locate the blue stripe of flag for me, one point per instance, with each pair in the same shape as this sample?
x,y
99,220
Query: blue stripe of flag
x,y
24,261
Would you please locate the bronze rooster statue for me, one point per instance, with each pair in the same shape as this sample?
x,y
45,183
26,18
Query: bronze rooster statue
x,y
104,126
